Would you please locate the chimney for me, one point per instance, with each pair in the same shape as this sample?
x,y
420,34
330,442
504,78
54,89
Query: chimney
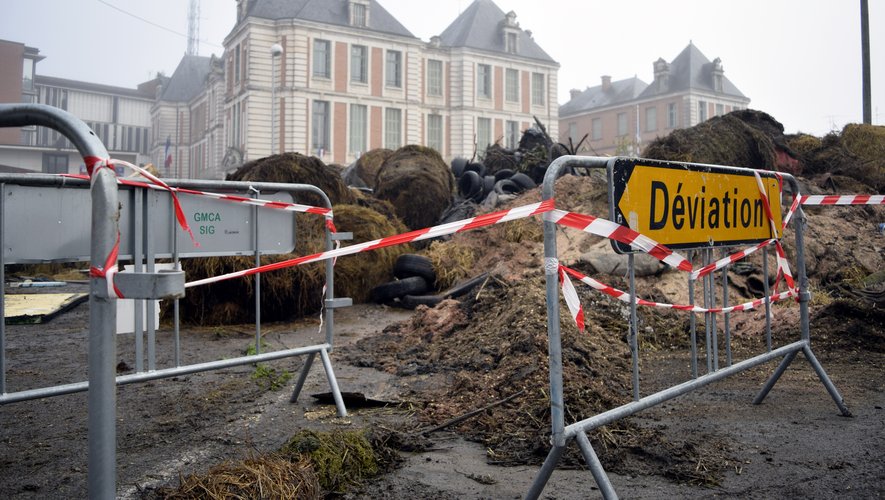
x,y
574,93
606,82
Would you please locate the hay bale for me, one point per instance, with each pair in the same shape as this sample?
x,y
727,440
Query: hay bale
x,y
356,275
295,168
368,165
743,138
267,476
419,184
857,152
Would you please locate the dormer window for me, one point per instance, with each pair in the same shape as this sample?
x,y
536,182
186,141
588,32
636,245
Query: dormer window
x,y
510,43
359,13
718,75
511,31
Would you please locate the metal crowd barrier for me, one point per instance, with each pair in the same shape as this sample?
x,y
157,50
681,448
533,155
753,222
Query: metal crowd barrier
x,y
562,434
139,206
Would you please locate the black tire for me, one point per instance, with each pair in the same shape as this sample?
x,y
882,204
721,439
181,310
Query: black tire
x,y
470,184
458,165
488,185
506,186
416,285
523,181
504,173
410,264
477,167
413,301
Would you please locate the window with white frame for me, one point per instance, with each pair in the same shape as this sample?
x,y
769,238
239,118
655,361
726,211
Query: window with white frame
x,y
511,42
702,111
651,119
512,141
322,58
434,78
359,14
538,89
435,132
483,133
671,115
484,80
319,128
394,69
573,132
393,128
359,64
511,85
720,109
596,129
622,124
358,126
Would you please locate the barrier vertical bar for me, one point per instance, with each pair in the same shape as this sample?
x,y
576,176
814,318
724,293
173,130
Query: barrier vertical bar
x,y
707,315
255,216
713,329
767,292
727,316
150,305
102,344
2,289
176,312
137,304
634,342
693,323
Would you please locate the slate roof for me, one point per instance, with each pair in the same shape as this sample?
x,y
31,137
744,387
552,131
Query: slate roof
x,y
188,79
333,12
479,27
619,92
691,70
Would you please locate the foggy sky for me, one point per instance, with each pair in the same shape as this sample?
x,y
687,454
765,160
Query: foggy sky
x,y
799,61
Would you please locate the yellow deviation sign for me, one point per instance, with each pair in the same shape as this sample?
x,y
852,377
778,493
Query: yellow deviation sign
x,y
686,206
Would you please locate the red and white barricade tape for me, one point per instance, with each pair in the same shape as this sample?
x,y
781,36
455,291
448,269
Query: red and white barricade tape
x,y
847,199
571,298
577,313
617,232
418,235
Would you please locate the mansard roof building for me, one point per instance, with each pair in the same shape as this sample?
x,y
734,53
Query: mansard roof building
x,y
619,117
336,78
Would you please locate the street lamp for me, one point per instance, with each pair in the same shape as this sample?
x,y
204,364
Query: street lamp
x,y
275,50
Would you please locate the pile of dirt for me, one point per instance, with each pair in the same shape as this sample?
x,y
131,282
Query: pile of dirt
x,y
491,351
743,138
419,184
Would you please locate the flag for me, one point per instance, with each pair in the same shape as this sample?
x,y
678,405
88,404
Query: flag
x,y
168,155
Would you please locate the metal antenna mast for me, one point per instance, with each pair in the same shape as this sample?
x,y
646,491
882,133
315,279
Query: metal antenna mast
x,y
193,28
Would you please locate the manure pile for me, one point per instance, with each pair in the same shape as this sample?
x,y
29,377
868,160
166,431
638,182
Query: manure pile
x,y
493,349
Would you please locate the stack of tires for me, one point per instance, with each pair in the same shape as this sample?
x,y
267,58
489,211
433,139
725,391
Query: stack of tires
x,y
414,275
475,184
415,284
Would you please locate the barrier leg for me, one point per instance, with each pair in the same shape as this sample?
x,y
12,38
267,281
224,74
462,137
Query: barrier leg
x,y
822,375
302,377
333,383
545,472
605,486
769,384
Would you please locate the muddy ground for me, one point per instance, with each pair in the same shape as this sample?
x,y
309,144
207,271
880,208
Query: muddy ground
x,y
794,445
